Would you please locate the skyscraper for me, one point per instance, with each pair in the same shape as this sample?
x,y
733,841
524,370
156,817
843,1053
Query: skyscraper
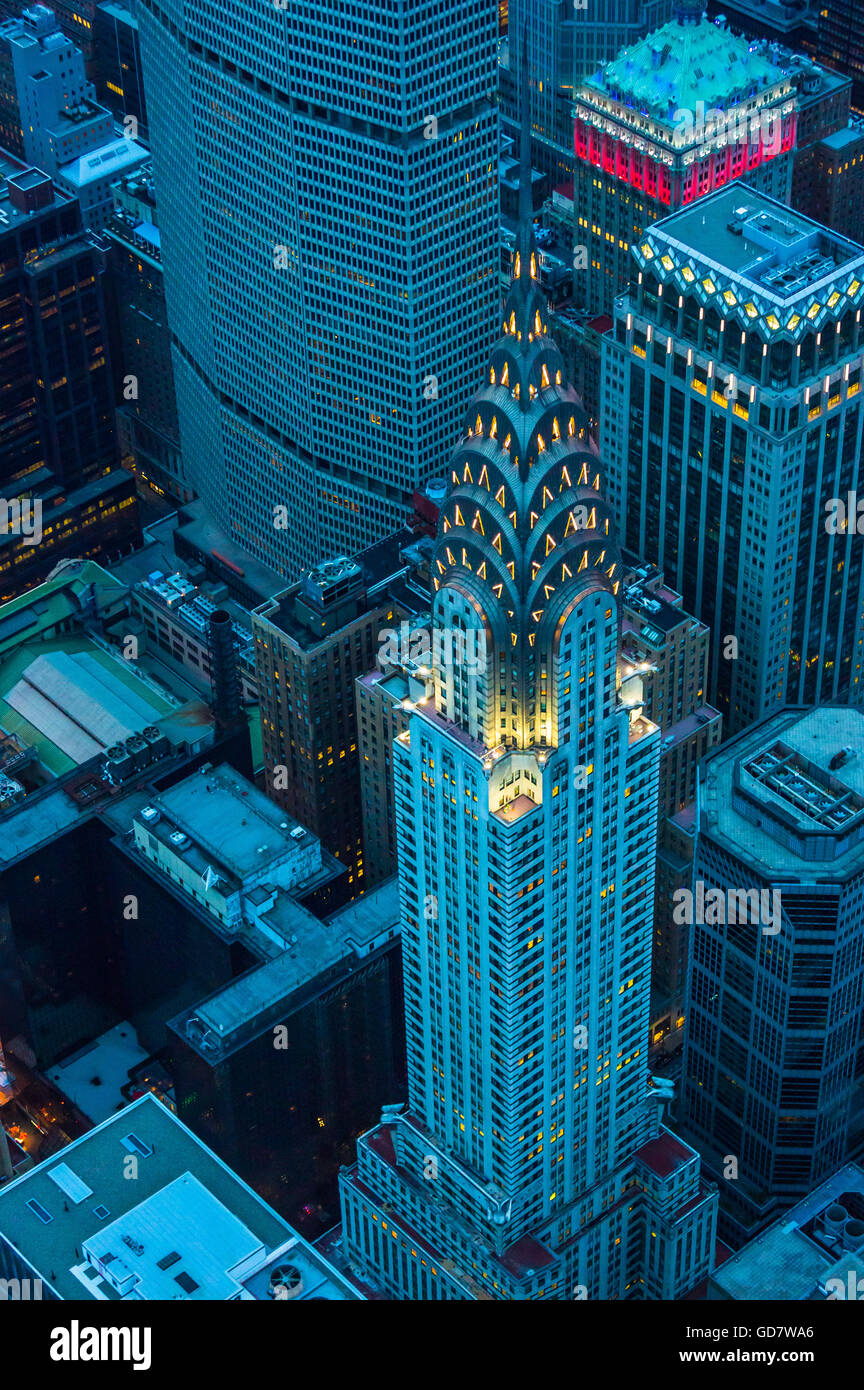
x,y
681,113
840,43
57,444
530,1161
326,341
773,1064
732,425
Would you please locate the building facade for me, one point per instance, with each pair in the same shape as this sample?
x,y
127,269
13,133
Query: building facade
x,y
325,346
840,43
668,648
687,110
311,643
147,426
530,1161
773,1066
733,429
61,490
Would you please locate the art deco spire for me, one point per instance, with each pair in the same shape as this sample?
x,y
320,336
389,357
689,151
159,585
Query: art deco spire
x,y
525,527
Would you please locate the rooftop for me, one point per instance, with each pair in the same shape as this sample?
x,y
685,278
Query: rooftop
x,y
249,1004
181,1187
795,1255
680,66
232,821
792,781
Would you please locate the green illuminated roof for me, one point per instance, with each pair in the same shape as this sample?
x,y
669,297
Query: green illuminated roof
x,y
682,66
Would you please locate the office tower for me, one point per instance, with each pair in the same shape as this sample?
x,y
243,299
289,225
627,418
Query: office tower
x,y
311,641
668,648
731,420
35,58
185,1228
679,114
325,340
772,1063
569,40
813,1252
789,22
117,74
64,130
60,491
840,43
147,427
530,1161
828,165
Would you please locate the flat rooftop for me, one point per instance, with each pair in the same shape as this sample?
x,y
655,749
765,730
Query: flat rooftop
x,y
232,821
250,1003
789,1259
758,243
783,765
92,1189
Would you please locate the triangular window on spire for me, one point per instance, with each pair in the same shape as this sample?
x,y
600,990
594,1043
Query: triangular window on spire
x,y
550,544
566,572
455,477
484,478
507,443
600,558
584,561
544,375
565,478
499,495
571,426
548,589
511,568
535,568
537,614
538,326
541,443
505,375
583,476
449,554
496,589
547,497
616,586
571,525
531,636
459,519
466,475
596,483
517,268
612,568
477,523
592,519
512,519
558,377
481,573
491,376
556,430
440,567
512,321
478,426
497,542
493,430
465,558
533,266
446,525
535,516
